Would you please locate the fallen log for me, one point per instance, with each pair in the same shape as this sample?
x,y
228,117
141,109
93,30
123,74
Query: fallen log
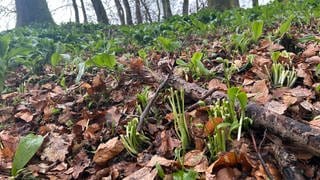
x,y
290,130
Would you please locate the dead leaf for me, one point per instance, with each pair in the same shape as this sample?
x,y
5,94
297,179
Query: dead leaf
x,y
260,92
80,162
310,51
303,72
301,92
228,173
159,160
167,143
57,147
313,60
24,115
217,84
9,95
107,151
212,124
197,160
145,173
276,107
6,113
113,116
9,144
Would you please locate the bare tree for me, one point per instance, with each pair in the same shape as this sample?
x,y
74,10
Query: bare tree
x,y
120,11
76,10
128,12
32,11
147,11
84,12
138,11
223,4
159,10
100,11
255,2
166,9
185,7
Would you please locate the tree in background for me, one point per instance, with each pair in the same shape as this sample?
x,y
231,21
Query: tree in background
x,y
76,10
146,11
32,11
138,11
84,12
166,9
185,7
255,3
128,12
223,4
100,11
120,11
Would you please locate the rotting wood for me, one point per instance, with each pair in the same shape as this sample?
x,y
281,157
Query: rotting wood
x,y
293,131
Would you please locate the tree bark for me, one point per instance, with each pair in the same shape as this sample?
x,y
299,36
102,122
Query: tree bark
x,y
84,12
159,10
222,4
32,11
147,11
293,131
120,11
166,9
255,3
76,11
185,7
100,11
138,12
197,5
128,12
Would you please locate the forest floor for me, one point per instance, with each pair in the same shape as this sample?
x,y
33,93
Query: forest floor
x,y
171,114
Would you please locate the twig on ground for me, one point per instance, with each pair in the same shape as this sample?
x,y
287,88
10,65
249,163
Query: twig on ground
x,y
264,165
146,110
197,104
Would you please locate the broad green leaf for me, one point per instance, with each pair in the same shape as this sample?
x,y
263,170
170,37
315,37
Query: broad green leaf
x,y
55,59
160,171
181,63
103,60
142,53
4,46
27,147
243,99
257,29
196,57
81,69
275,56
284,28
185,175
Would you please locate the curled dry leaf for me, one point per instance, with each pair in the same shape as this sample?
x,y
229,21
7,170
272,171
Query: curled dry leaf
x,y
313,60
168,143
107,151
80,162
311,50
113,116
145,173
259,92
197,160
217,84
159,160
303,72
9,144
212,124
57,147
24,115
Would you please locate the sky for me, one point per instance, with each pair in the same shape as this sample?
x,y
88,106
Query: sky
x,y
62,11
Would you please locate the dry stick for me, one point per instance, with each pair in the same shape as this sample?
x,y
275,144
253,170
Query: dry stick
x,y
197,104
265,167
146,110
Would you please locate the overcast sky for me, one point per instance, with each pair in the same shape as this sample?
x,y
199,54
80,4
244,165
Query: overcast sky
x,y
62,11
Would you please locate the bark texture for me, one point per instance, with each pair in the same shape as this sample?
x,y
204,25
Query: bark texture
x,y
32,11
166,9
185,7
255,2
138,12
128,12
120,12
76,11
84,12
223,4
100,11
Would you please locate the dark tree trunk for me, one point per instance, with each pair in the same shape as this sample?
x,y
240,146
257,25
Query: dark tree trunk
x,y
185,7
222,4
147,11
159,10
255,2
197,5
166,9
84,12
120,11
138,12
76,10
128,12
100,11
32,11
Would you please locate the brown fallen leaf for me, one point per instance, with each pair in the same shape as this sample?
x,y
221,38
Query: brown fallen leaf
x,y
57,147
228,173
113,116
5,114
145,173
159,160
311,50
313,60
260,92
24,115
167,143
276,107
80,162
107,151
197,160
9,144
217,84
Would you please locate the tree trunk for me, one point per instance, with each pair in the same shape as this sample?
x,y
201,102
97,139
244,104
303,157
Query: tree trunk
x,y
255,3
84,12
185,7
128,12
32,11
159,10
76,10
138,12
222,4
100,11
147,11
197,5
120,11
166,9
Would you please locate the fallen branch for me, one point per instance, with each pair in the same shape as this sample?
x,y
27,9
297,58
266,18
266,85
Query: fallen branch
x,y
296,132
146,110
